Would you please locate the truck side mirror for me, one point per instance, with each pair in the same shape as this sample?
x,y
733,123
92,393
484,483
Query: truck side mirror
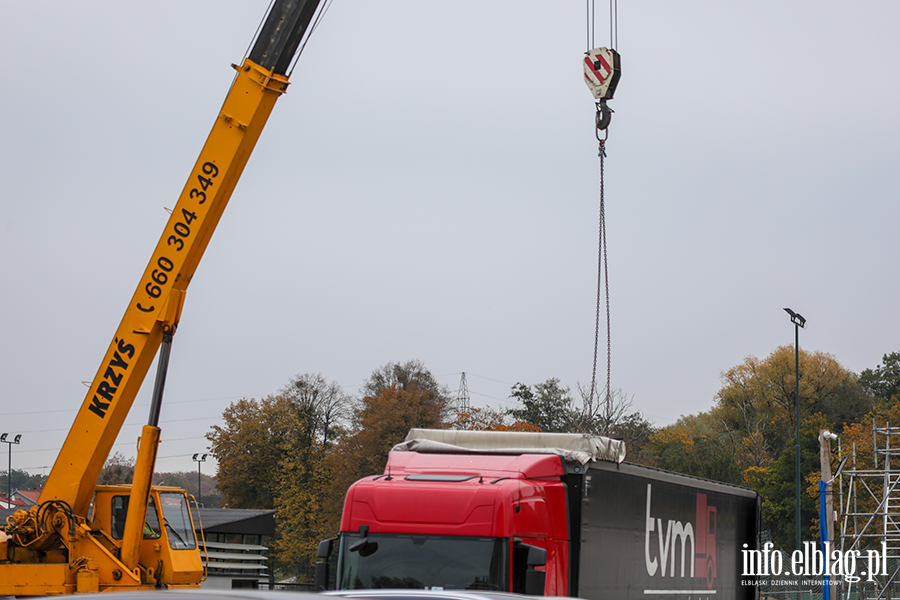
x,y
363,545
324,549
535,581
537,557
529,580
322,553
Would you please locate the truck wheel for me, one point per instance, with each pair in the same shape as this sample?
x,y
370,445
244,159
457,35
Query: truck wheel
x,y
709,573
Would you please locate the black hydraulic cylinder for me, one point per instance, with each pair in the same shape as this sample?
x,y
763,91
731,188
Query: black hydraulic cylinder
x,y
162,366
281,34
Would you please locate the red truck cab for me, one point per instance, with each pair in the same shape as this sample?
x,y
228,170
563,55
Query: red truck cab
x,y
455,522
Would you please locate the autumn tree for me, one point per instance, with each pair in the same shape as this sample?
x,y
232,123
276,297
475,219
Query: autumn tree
x,y
258,436
776,483
326,406
883,382
383,420
397,397
636,431
301,504
860,436
271,454
118,469
21,480
249,449
611,416
187,480
757,400
304,482
672,448
547,405
485,418
404,376
748,436
883,385
698,445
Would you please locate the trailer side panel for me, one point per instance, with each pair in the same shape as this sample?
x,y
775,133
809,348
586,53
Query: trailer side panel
x,y
652,535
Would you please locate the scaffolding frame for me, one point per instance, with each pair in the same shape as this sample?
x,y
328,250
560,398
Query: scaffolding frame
x,y
870,514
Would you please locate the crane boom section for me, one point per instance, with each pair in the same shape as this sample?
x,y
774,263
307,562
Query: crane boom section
x,y
156,305
66,544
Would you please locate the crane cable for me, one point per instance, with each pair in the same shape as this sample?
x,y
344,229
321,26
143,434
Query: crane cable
x,y
613,23
602,265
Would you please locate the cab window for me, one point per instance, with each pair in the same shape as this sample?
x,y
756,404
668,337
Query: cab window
x,y
119,512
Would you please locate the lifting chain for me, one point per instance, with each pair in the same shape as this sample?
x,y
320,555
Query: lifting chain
x,y
602,281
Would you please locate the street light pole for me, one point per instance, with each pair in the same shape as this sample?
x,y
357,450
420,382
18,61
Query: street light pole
x,y
201,459
798,321
9,468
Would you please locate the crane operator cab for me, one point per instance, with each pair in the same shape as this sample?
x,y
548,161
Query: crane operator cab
x,y
169,541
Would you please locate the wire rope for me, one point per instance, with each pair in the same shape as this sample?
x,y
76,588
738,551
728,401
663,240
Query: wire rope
x,y
613,24
315,24
590,22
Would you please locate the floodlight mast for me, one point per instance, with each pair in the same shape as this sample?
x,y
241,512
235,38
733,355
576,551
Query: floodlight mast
x,y
201,459
798,321
9,467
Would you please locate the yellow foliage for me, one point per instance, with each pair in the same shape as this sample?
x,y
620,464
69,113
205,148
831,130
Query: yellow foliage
x,y
755,477
488,419
676,434
758,398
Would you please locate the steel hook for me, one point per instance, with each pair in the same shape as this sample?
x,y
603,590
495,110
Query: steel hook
x,y
603,117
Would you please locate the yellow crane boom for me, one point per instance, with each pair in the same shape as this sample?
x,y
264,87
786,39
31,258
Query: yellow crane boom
x,y
156,305
56,548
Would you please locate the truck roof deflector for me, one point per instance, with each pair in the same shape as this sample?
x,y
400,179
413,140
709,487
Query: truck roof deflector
x,y
572,447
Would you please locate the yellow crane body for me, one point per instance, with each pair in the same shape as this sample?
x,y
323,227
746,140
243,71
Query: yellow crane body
x,y
87,538
156,305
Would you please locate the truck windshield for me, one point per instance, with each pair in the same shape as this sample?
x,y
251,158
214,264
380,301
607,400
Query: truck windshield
x,y
423,562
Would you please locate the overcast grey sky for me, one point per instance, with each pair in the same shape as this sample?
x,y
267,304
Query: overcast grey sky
x,y
428,189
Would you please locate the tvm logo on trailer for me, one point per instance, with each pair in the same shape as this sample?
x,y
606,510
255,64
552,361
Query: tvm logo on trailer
x,y
679,550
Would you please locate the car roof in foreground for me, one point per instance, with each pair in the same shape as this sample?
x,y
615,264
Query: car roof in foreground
x,y
195,594
409,593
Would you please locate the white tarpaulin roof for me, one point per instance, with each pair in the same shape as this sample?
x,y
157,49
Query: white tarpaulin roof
x,y
573,447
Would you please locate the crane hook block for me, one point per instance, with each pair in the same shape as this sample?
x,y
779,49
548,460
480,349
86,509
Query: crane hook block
x,y
602,70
